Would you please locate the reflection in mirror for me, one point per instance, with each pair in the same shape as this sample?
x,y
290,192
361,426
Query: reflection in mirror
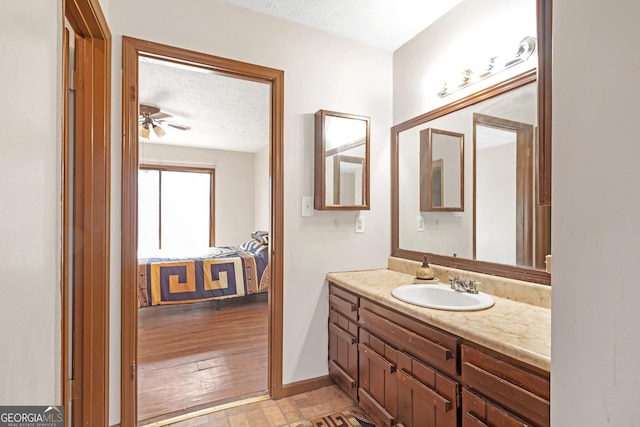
x,y
341,161
441,170
347,179
505,227
506,213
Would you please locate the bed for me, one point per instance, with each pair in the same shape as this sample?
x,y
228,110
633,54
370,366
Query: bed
x,y
209,274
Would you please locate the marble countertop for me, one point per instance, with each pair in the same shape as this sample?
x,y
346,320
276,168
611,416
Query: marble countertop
x,y
519,330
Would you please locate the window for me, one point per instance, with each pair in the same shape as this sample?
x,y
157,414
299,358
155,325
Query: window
x,y
175,208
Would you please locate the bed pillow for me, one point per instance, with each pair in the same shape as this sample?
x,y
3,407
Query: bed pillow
x,y
261,236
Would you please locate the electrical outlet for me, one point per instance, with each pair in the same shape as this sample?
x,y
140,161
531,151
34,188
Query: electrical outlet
x,y
359,225
420,223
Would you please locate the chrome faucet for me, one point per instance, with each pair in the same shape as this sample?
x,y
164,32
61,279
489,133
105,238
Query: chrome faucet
x,y
457,284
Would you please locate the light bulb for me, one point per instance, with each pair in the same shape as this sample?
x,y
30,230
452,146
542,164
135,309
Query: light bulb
x,y
158,131
144,131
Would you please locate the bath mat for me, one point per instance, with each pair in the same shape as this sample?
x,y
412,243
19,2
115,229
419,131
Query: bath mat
x,y
340,419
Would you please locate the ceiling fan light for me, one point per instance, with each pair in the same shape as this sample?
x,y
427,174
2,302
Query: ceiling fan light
x,y
144,131
158,131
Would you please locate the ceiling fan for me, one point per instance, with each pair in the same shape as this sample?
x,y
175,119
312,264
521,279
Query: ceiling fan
x,y
151,117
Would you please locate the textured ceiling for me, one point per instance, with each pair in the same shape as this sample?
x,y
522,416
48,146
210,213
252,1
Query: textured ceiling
x,y
223,112
228,113
386,24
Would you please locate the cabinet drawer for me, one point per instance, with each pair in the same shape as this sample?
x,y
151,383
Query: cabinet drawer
x,y
343,302
434,347
425,397
477,412
518,390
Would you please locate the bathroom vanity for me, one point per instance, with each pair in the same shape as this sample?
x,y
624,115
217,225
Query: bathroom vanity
x,y
412,366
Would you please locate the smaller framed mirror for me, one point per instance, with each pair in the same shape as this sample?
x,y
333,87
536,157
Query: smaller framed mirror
x,y
441,171
341,161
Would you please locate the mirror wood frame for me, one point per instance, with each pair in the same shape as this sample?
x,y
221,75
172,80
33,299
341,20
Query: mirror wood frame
x,y
503,270
320,154
427,169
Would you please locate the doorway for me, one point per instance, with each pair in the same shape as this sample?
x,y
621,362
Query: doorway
x,y
133,50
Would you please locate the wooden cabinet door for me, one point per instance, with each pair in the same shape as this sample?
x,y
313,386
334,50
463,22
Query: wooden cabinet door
x,y
378,385
343,353
343,337
425,397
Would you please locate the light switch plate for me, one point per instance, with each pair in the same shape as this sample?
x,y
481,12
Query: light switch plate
x,y
420,223
307,206
359,224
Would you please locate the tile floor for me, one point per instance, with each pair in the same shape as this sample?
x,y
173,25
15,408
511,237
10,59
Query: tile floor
x,y
287,412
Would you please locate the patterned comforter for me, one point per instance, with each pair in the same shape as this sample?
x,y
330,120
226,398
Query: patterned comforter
x,y
214,273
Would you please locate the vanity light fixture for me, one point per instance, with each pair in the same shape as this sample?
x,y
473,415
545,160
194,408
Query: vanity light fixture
x,y
493,65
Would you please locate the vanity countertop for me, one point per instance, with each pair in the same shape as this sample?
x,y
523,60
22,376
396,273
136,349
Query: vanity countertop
x,y
519,330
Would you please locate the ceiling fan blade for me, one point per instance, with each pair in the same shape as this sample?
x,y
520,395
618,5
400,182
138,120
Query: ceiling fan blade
x,y
148,109
160,115
178,126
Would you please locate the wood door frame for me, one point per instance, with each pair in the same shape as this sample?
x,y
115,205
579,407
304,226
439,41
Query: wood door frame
x,y
131,50
92,206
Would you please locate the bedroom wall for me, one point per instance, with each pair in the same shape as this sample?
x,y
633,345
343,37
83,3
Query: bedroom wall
x,y
321,72
263,192
234,190
30,48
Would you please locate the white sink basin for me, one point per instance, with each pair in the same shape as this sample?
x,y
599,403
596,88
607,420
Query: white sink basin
x,y
442,297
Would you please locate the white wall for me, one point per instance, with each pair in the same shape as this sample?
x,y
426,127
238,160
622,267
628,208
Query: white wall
x,y
235,185
321,72
496,203
262,190
472,31
596,209
30,48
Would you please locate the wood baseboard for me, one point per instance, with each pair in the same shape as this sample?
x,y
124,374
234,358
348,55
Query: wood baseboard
x,y
304,386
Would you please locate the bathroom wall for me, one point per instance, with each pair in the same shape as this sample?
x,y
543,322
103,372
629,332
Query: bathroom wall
x,y
321,72
30,219
595,374
467,36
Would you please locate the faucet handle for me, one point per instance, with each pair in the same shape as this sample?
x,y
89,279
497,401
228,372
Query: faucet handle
x,y
474,285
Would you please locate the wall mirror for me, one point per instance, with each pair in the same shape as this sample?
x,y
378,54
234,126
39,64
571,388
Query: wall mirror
x,y
505,232
441,170
341,161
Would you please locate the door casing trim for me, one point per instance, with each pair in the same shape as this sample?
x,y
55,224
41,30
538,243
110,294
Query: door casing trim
x,y
132,48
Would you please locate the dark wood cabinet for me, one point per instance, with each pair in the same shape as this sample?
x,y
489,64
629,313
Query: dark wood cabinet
x,y
404,368
343,340
406,373
479,412
507,387
378,381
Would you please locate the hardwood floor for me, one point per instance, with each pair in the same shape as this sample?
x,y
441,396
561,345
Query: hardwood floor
x,y
192,356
